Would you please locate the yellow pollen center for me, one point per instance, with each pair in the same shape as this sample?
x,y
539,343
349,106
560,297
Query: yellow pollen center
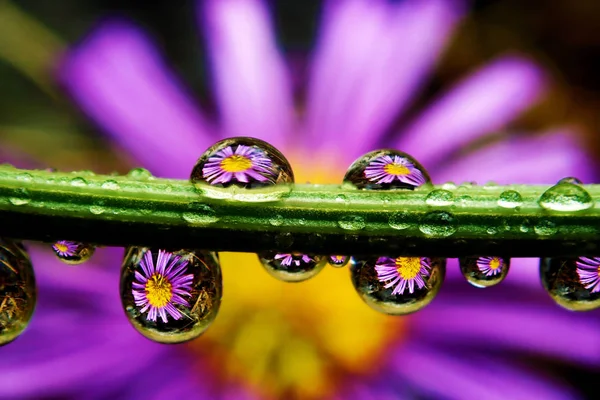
x,y
408,267
396,169
236,164
495,263
158,291
61,247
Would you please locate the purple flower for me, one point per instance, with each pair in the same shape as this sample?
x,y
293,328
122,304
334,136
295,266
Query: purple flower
x,y
402,272
386,169
588,270
337,260
490,265
243,163
287,259
316,339
157,288
65,248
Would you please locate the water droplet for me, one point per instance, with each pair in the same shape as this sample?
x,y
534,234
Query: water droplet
x,y
570,179
573,283
484,271
18,201
399,220
545,228
291,267
566,197
110,185
386,169
24,177
438,224
200,214
139,174
400,285
492,230
243,162
73,253
340,198
78,182
449,186
338,261
439,197
17,290
463,200
170,296
97,209
277,220
352,222
510,199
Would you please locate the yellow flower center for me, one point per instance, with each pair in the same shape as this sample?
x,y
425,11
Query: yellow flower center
x,y
158,291
236,164
338,258
396,169
495,263
61,247
408,267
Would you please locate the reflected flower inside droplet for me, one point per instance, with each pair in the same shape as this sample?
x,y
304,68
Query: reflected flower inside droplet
x,y
65,248
288,258
338,261
403,272
386,169
588,270
243,163
158,287
490,266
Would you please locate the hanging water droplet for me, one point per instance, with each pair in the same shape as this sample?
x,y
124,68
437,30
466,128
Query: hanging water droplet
x,y
438,224
244,162
570,179
510,199
110,185
338,261
73,253
352,222
139,174
78,182
170,296
386,169
439,197
484,271
574,283
398,285
291,267
18,292
566,197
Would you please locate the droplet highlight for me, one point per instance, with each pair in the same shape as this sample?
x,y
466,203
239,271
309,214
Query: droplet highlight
x,y
484,272
439,197
510,199
566,197
573,283
291,267
73,253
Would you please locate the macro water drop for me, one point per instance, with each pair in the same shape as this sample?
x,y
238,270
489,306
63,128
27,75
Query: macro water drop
x,y
338,261
566,197
71,252
573,283
484,271
291,267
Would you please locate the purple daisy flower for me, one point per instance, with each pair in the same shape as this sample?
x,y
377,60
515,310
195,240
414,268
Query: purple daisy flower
x,y
65,248
288,259
588,270
371,59
386,169
490,265
403,272
242,164
159,286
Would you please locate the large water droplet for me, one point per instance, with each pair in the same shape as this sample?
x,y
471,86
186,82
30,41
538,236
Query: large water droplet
x,y
291,267
510,199
398,285
139,174
440,197
386,169
338,261
574,283
244,162
18,292
352,222
566,197
170,296
484,271
438,224
73,253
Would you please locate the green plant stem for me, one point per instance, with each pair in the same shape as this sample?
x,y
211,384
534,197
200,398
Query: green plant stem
x,y
322,219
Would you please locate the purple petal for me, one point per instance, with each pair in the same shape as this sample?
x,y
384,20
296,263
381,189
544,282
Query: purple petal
x,y
251,80
542,159
371,59
121,82
482,103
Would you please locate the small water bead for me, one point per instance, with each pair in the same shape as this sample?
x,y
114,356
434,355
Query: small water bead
x,y
338,261
73,253
18,292
438,224
439,197
200,214
170,296
110,185
78,182
386,169
139,174
573,283
291,267
545,228
352,222
484,271
276,220
510,199
244,162
398,285
566,197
